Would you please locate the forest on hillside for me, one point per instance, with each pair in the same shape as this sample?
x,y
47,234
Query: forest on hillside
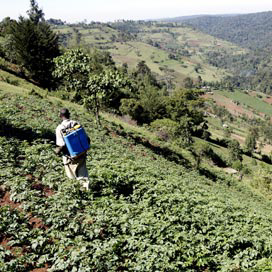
x,y
251,31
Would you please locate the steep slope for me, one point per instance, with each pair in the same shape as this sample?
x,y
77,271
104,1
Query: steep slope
x,y
251,31
147,209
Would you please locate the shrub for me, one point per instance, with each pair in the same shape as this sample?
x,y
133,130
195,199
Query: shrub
x,y
167,129
237,165
14,82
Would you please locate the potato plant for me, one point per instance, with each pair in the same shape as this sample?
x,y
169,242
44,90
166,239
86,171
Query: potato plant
x,y
144,212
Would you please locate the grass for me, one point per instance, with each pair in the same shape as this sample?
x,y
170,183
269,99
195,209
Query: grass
x,y
21,83
248,101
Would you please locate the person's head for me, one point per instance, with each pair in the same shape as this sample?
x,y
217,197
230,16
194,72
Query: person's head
x,y
64,113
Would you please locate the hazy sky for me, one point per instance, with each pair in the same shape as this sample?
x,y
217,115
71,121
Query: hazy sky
x,y
110,10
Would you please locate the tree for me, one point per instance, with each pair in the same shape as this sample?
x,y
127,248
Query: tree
x,y
186,103
200,151
73,69
101,59
104,89
188,83
35,46
145,106
197,68
6,45
250,143
5,26
143,75
199,82
35,14
184,107
235,151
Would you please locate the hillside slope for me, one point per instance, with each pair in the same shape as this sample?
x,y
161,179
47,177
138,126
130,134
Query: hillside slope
x,y
147,209
251,31
172,51
250,70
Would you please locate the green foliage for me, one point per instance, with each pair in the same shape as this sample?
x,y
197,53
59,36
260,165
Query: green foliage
x,y
261,180
8,49
188,83
86,75
235,151
144,212
201,150
104,89
35,14
14,82
73,69
250,143
35,46
185,103
146,106
167,129
184,107
237,165
101,59
144,74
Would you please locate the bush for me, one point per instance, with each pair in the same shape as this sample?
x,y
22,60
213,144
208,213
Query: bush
x,y
14,82
167,129
35,93
237,165
235,151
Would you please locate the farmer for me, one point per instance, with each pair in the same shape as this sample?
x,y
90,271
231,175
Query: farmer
x,y
75,168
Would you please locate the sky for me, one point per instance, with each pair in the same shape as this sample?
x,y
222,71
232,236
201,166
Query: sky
x,y
73,11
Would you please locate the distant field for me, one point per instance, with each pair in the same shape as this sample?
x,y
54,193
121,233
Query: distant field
x,y
63,29
154,44
239,104
248,101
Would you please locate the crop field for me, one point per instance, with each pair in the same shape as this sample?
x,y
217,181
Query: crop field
x,y
237,109
191,45
241,105
249,101
146,210
63,29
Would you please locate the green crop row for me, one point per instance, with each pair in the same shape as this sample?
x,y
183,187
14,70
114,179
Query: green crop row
x,y
144,211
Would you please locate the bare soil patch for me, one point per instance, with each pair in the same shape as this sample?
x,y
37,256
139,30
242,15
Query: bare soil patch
x,y
268,100
229,105
5,201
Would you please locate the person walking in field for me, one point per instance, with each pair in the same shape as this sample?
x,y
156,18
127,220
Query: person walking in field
x,y
75,168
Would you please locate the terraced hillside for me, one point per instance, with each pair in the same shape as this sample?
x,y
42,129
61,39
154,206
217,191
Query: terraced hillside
x,y
173,52
147,209
240,110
